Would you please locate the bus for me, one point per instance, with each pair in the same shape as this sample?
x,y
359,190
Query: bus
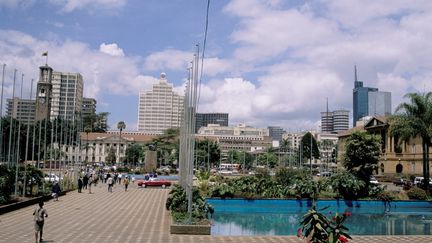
x,y
229,168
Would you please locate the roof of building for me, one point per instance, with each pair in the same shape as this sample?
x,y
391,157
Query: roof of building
x,y
136,137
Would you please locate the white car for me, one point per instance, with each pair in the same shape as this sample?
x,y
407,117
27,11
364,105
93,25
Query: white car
x,y
51,178
373,181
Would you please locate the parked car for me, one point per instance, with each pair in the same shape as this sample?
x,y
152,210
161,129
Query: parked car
x,y
373,181
324,174
418,180
154,182
399,182
51,178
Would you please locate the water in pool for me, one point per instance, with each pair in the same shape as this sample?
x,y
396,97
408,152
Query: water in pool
x,y
282,217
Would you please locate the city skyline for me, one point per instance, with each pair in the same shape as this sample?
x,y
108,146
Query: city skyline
x,y
262,66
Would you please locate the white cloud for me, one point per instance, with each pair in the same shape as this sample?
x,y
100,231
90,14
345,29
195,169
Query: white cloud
x,y
111,49
71,5
168,60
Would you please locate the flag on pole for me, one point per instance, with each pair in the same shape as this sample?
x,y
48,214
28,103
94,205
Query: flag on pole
x,y
45,54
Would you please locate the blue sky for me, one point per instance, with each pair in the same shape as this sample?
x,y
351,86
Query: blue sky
x,y
268,62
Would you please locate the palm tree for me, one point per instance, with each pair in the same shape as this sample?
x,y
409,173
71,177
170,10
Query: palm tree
x,y
415,119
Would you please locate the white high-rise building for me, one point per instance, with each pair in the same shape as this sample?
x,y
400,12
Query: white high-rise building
x,y
160,109
66,95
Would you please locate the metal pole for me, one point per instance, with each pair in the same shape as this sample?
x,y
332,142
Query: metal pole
x,y
18,142
11,122
310,163
27,146
1,116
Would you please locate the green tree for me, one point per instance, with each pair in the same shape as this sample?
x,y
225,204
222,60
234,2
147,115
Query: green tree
x,y
121,125
134,153
269,159
362,151
306,147
207,153
167,146
415,119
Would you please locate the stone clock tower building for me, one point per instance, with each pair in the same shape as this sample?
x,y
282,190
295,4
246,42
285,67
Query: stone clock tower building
x,y
43,93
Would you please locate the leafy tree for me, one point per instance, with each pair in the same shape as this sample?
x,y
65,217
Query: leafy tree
x,y
415,119
7,180
362,151
269,159
306,147
121,125
97,122
134,153
207,151
167,146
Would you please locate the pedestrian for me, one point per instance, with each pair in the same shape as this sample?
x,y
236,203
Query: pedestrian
x,y
80,184
126,183
90,182
110,182
115,177
119,178
85,181
39,220
55,191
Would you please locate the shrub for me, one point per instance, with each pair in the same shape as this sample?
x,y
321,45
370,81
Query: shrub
x,y
417,193
222,190
347,185
6,183
178,204
385,196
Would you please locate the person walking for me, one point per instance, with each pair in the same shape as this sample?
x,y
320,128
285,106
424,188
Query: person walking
x,y
90,182
39,219
85,181
126,183
110,182
80,184
55,191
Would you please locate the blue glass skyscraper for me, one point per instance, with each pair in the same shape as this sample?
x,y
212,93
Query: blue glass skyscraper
x,y
360,99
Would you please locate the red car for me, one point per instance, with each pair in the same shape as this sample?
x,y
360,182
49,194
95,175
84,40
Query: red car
x,y
154,182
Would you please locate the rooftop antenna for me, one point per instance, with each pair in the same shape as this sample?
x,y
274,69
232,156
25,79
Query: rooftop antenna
x,y
355,73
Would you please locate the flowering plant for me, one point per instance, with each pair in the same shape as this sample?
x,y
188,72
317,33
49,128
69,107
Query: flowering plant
x,y
317,228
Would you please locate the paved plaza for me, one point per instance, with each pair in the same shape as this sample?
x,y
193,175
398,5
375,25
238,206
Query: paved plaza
x,y
138,215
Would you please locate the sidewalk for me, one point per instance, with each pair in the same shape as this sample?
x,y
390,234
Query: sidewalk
x,y
138,215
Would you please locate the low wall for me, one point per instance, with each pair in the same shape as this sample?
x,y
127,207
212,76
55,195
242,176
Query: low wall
x,y
21,204
186,229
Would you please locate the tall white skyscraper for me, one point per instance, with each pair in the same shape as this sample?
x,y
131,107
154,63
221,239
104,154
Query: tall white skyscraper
x,y
66,95
160,109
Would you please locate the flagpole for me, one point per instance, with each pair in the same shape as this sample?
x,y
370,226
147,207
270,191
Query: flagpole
x,y
1,116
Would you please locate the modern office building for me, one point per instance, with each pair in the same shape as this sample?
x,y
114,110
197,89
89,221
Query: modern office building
x,y
88,107
160,108
21,109
379,103
203,119
276,132
367,100
66,95
334,121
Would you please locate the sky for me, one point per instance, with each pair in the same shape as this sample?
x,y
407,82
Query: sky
x,y
267,62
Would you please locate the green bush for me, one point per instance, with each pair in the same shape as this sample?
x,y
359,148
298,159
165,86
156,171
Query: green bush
x,y
177,203
347,185
7,178
222,190
417,193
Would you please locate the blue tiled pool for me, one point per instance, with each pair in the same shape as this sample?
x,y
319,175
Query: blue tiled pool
x,y
282,217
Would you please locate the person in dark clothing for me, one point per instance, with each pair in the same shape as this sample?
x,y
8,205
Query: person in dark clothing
x,y
55,191
80,184
85,181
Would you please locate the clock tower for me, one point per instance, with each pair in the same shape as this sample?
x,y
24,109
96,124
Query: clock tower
x,y
43,93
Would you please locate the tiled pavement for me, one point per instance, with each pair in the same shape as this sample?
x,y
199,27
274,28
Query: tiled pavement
x,y
138,215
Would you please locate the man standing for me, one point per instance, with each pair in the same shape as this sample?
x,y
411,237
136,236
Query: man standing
x,y
126,183
39,220
56,191
80,184
110,182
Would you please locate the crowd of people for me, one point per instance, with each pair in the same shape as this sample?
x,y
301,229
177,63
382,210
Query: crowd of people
x,y
86,180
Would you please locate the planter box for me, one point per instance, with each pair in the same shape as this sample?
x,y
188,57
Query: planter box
x,y
184,229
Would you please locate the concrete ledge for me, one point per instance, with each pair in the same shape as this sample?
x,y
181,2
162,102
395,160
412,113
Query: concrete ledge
x,y
190,229
17,205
